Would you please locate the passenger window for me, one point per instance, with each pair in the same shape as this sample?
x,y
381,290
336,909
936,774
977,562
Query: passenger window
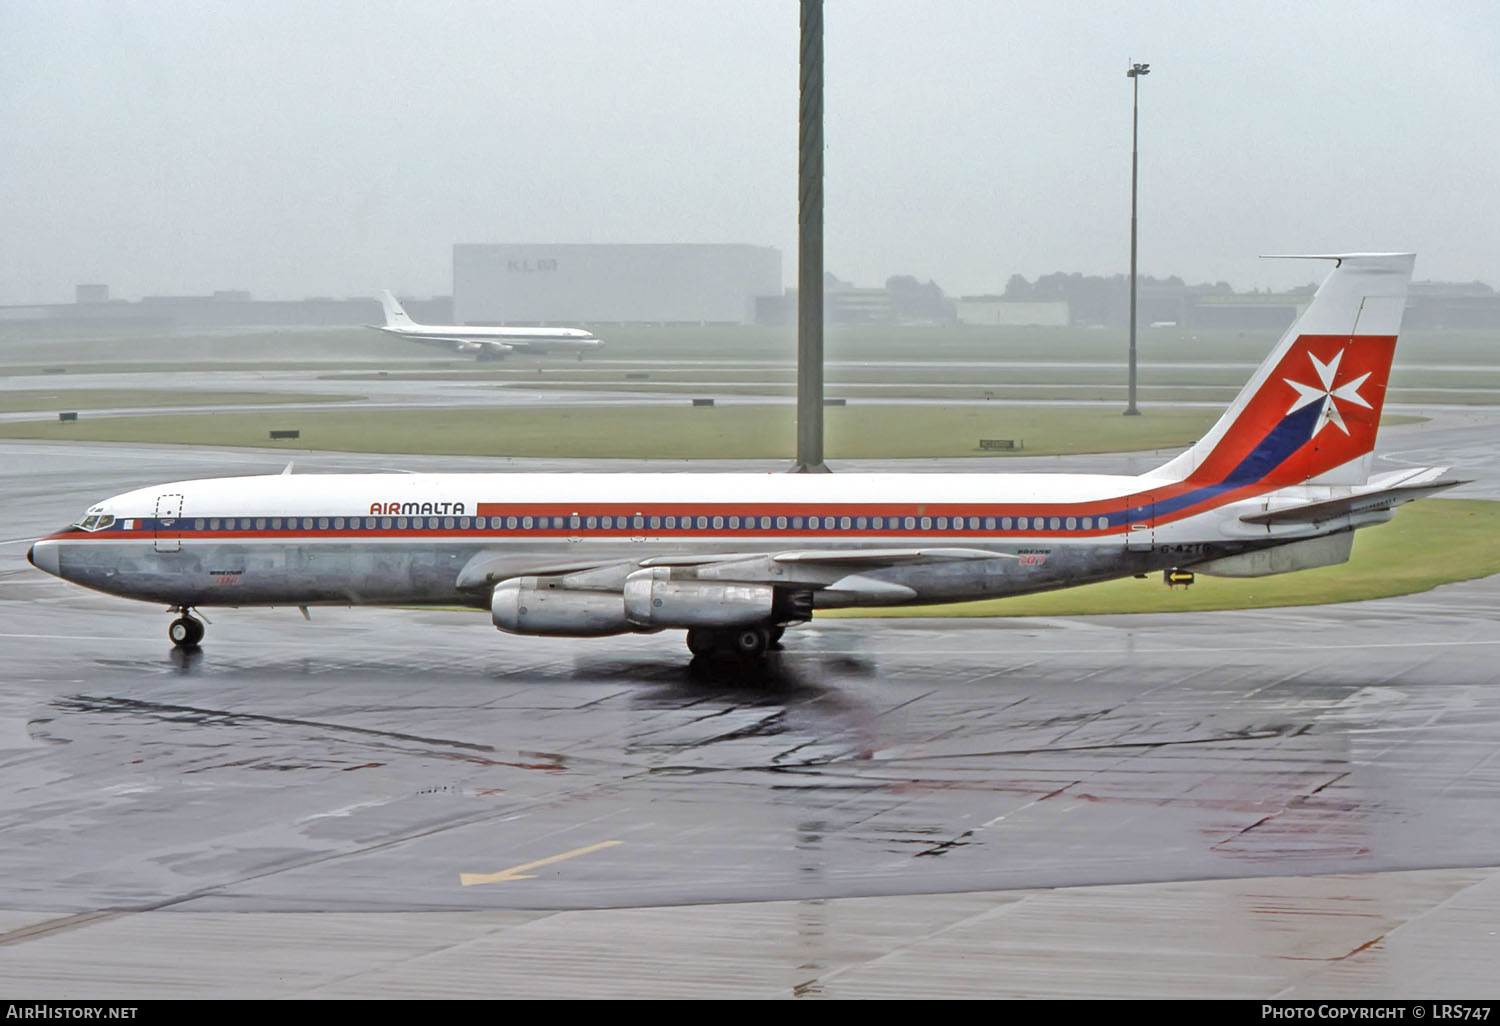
x,y
400,523
1072,523
1023,523
338,523
213,525
385,523
942,523
702,523
655,523
926,523
781,523
1088,523
718,523
1103,523
510,523
813,523
862,523
1005,523
1054,524
911,523
307,523
734,523
638,522
989,523
671,523
844,523
260,525
197,525
796,523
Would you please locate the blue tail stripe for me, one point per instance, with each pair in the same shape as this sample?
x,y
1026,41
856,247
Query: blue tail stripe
x,y
1285,438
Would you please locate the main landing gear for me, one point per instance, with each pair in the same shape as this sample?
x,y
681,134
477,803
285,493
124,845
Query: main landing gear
x,y
743,643
186,631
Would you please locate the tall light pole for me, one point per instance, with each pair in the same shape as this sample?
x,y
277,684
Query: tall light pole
x,y
810,246
1134,74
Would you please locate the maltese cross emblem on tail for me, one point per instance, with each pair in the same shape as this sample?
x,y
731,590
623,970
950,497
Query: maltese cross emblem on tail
x,y
1328,393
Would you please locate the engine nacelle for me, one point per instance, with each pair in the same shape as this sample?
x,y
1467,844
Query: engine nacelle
x,y
654,599
539,605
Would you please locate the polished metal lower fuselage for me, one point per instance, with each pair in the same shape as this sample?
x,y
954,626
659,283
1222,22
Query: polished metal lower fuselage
x,y
427,571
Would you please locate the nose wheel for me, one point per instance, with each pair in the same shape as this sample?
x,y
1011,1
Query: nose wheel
x,y
186,631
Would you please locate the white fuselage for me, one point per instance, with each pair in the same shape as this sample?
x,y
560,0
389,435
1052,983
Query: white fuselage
x,y
449,538
501,339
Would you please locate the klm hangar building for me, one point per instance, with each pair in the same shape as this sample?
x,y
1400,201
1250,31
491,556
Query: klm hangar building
x,y
668,283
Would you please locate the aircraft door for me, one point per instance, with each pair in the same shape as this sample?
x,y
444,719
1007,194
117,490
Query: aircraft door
x,y
1140,525
168,526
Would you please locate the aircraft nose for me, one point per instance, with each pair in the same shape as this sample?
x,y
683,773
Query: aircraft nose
x,y
43,556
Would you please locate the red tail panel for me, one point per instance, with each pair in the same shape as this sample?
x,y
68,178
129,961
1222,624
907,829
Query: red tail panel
x,y
1319,408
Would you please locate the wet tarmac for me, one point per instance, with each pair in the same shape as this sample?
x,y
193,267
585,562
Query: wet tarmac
x,y
433,790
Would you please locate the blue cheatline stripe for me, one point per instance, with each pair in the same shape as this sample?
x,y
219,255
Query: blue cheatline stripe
x,y
1275,449
1284,439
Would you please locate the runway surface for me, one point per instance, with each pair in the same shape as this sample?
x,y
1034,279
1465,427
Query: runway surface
x,y
402,803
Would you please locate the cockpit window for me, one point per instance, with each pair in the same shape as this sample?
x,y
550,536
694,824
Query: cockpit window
x,y
95,521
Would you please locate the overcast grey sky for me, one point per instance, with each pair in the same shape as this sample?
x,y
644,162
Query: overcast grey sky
x,y
337,147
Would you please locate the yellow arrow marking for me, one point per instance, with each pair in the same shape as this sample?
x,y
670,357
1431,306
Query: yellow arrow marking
x,y
514,872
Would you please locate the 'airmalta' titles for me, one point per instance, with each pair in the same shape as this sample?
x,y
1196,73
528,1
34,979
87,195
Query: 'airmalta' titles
x,y
417,509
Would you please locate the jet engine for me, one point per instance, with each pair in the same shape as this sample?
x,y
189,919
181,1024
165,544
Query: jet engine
x,y
540,605
654,599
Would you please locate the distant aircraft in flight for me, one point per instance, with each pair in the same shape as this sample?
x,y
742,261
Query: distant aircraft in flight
x,y
1280,483
485,343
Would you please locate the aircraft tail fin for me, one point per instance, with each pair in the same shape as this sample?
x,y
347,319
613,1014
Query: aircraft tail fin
x,y
1310,412
395,315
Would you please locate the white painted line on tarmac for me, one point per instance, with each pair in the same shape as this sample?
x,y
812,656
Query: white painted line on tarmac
x,y
75,637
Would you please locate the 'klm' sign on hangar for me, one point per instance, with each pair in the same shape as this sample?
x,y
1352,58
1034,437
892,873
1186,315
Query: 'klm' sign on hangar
x,y
559,284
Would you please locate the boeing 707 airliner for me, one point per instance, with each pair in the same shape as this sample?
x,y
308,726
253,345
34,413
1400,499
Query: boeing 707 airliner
x,y
486,343
1280,483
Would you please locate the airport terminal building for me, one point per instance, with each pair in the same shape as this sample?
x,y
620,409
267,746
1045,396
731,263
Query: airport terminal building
x,y
649,284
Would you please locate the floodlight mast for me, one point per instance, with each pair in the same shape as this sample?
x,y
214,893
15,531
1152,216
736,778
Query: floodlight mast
x,y
1134,74
810,246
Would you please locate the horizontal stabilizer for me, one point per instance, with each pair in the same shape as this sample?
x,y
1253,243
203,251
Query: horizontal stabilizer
x,y
1377,496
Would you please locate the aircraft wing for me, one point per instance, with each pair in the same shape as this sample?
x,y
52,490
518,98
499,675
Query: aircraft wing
x,y
838,570
463,345
870,558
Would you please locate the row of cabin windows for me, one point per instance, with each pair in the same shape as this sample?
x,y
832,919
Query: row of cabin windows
x,y
670,523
